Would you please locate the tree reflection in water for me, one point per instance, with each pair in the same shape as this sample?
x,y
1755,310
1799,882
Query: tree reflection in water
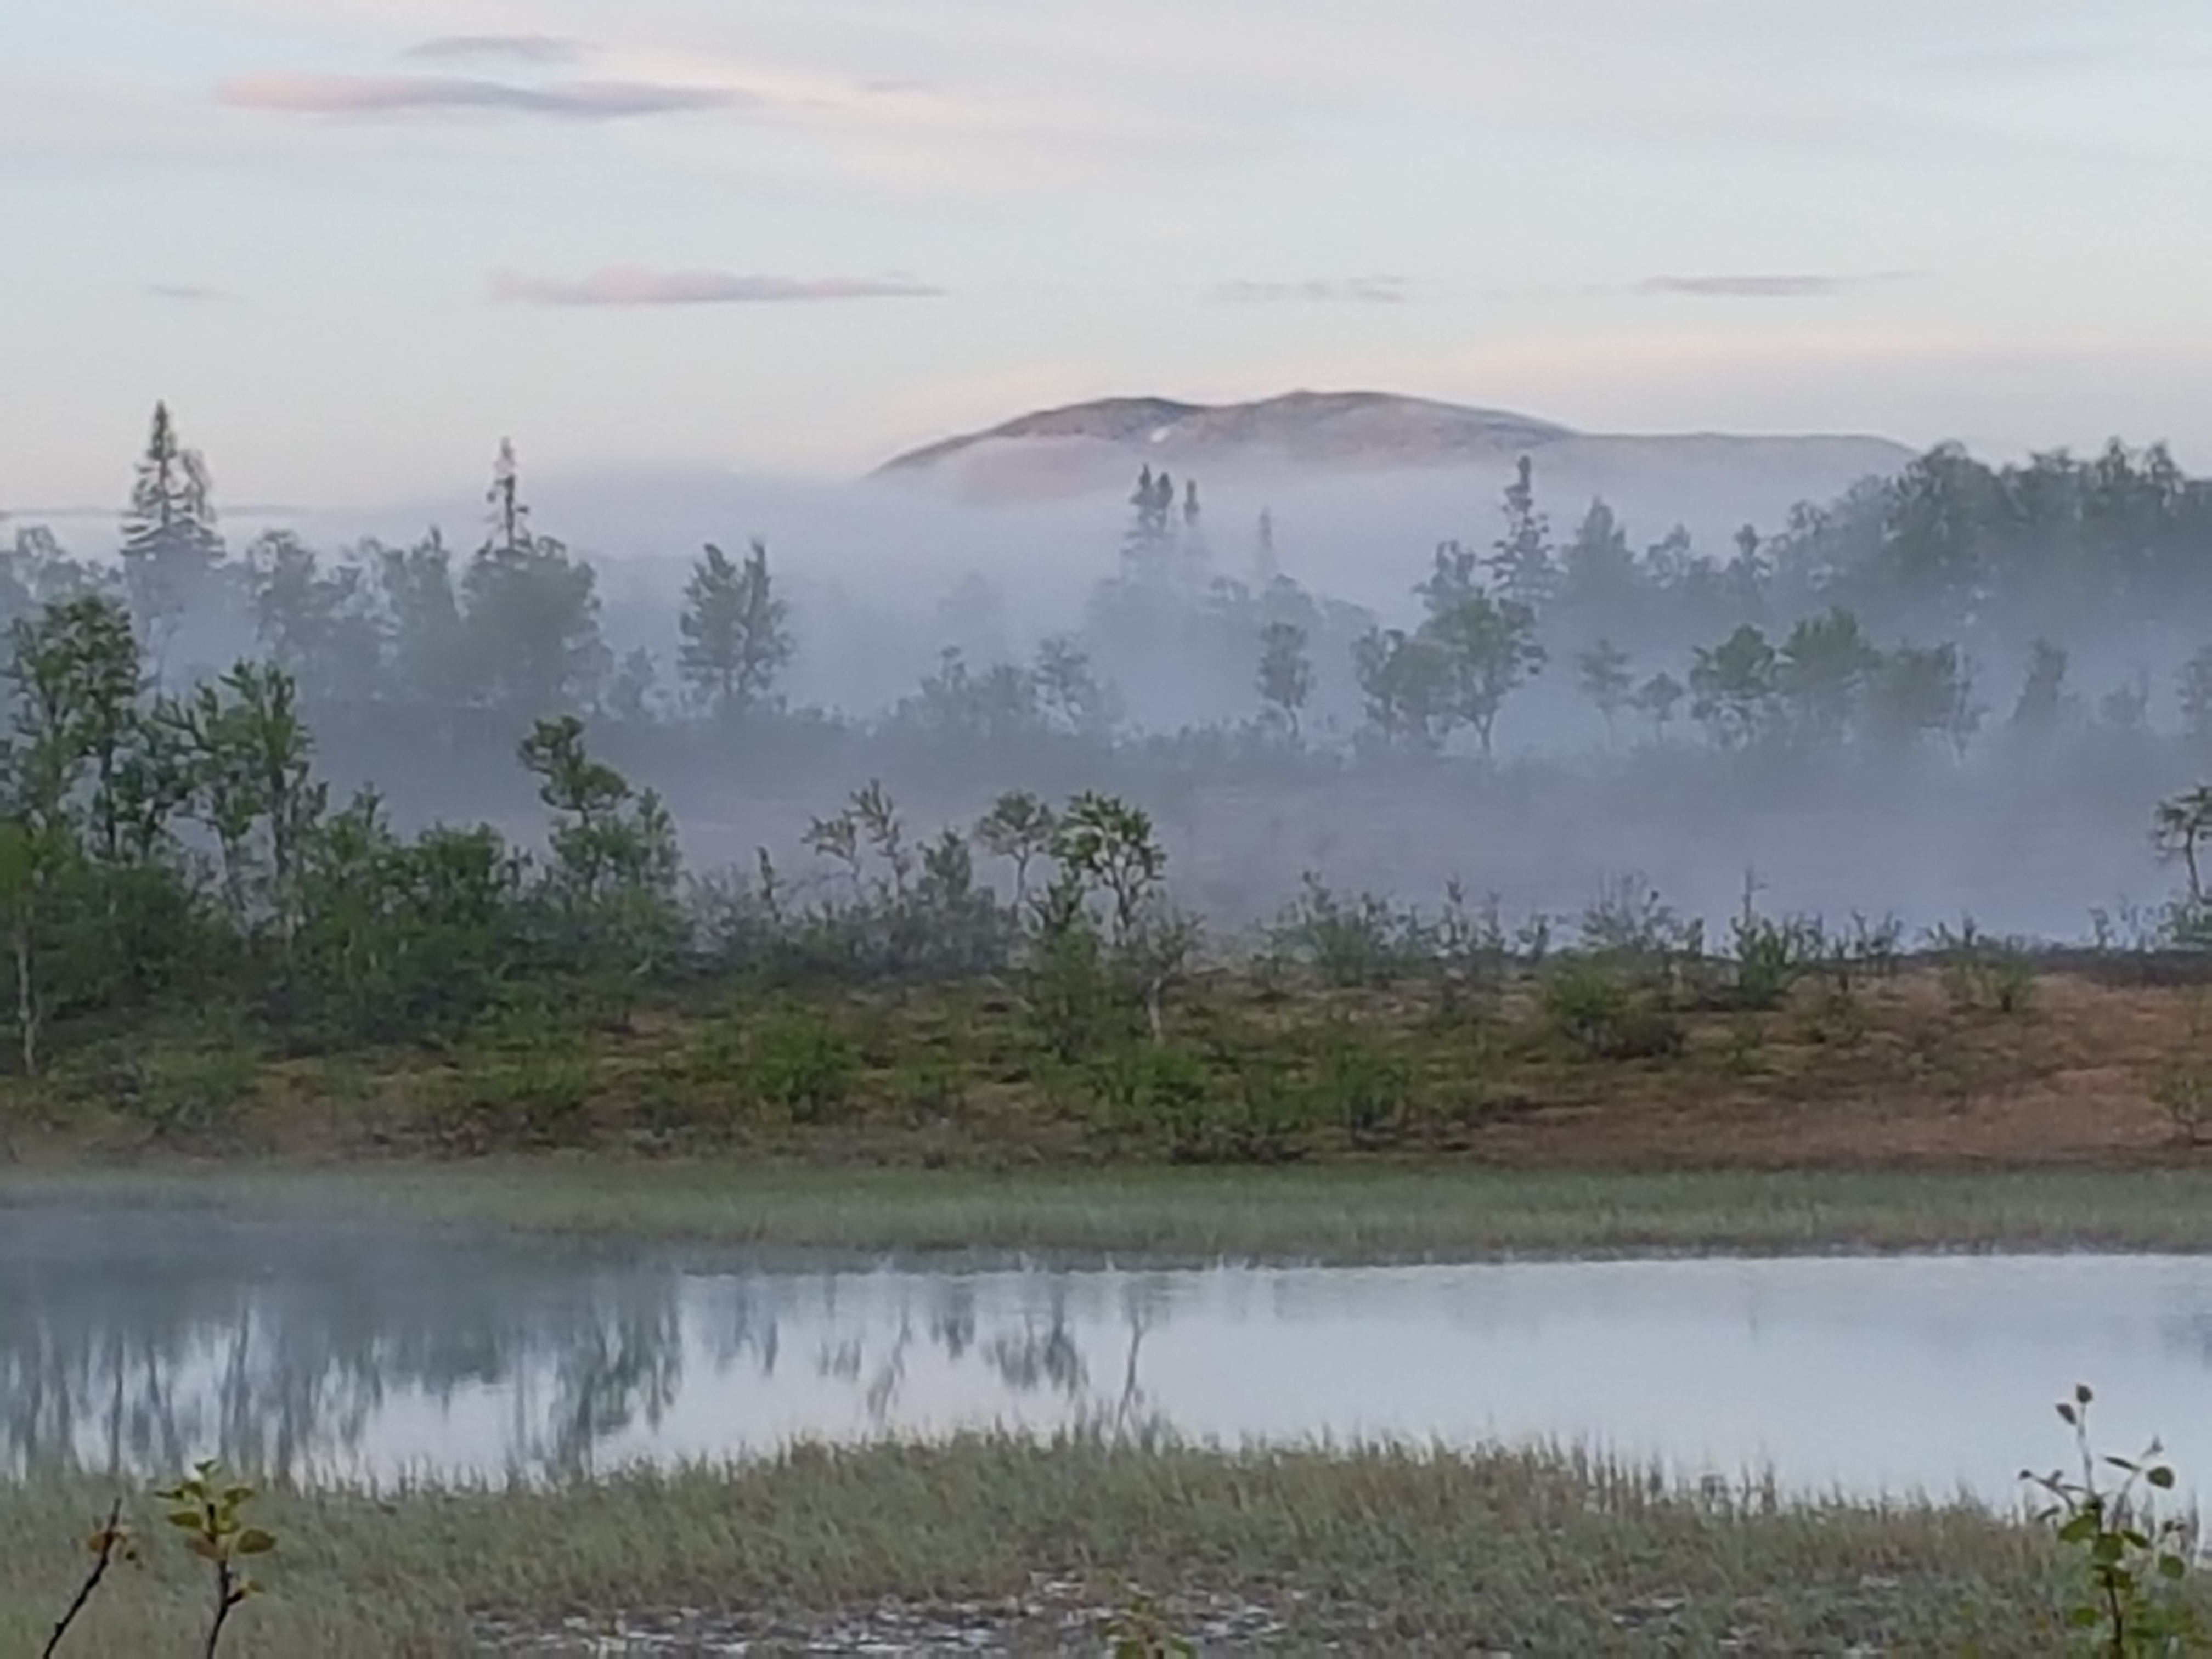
x,y
146,1340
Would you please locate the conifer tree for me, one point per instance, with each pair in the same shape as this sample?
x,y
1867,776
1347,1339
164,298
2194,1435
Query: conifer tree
x,y
170,546
1521,564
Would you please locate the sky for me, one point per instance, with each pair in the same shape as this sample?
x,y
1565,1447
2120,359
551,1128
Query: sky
x,y
356,242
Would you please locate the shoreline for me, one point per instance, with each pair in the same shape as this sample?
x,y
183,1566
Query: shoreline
x,y
1306,1216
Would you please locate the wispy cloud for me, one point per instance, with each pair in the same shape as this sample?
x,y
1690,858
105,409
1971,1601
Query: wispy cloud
x,y
509,48
632,285
1358,290
1798,285
435,94
190,294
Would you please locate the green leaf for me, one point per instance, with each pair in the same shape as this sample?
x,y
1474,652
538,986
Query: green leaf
x,y
2080,1529
254,1542
2172,1566
2161,1477
2082,1618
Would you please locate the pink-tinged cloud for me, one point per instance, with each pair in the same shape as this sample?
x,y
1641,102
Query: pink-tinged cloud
x,y
1357,290
1804,285
439,95
632,285
510,48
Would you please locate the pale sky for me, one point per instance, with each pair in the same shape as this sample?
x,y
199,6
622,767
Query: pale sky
x,y
355,241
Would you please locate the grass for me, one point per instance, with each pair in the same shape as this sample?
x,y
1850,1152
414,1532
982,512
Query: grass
x,y
1581,1067
1336,1213
1537,1552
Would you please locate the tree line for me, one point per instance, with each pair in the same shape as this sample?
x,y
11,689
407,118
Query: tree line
x,y
1774,643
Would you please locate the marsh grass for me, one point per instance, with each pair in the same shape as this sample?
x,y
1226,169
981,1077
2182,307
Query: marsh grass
x,y
1527,1551
1607,1061
1335,1213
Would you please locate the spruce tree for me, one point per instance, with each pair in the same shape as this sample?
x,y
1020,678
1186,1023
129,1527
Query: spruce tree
x,y
1521,564
170,546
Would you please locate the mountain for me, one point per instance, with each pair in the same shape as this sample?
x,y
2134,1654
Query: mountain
x,y
1094,447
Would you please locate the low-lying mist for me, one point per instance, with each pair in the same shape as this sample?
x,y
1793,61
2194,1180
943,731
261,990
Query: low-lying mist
x,y
1960,688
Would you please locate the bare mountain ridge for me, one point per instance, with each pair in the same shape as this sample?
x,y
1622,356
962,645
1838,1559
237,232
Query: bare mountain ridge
x,y
1091,448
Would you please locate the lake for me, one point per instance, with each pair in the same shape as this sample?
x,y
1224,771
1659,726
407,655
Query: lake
x,y
358,1351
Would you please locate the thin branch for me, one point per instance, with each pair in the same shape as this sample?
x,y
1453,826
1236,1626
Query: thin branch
x,y
110,1536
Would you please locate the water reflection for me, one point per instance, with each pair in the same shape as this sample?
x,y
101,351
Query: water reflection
x,y
149,1338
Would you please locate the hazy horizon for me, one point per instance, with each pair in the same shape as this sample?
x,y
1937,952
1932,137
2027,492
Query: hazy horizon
x,y
355,244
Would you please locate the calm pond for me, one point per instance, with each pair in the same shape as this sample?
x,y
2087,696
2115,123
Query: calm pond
x,y
326,1350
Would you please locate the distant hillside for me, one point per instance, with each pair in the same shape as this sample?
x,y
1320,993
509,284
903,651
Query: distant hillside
x,y
1090,448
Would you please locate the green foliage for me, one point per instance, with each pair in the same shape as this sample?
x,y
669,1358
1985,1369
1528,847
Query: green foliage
x,y
211,1515
608,899
801,1064
1364,940
1821,674
1369,1089
1982,972
1602,1016
1771,954
2184,1093
1404,681
2135,1560
1922,690
1141,1631
1147,1091
1632,929
191,1096
735,631
1489,648
536,1095
1070,993
1732,688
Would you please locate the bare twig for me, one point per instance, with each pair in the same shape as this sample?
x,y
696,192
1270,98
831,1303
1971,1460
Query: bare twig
x,y
105,1543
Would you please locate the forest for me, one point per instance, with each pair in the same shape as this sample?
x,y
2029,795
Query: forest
x,y
205,749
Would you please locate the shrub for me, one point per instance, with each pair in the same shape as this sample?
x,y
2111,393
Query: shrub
x,y
1369,1090
193,1093
1981,972
1604,1017
1152,1092
538,1098
801,1064
2185,1094
1362,941
1628,923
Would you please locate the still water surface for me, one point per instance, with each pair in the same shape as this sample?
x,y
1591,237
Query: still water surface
x,y
361,1350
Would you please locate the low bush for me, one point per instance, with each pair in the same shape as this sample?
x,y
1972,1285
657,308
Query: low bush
x,y
802,1065
1601,1016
